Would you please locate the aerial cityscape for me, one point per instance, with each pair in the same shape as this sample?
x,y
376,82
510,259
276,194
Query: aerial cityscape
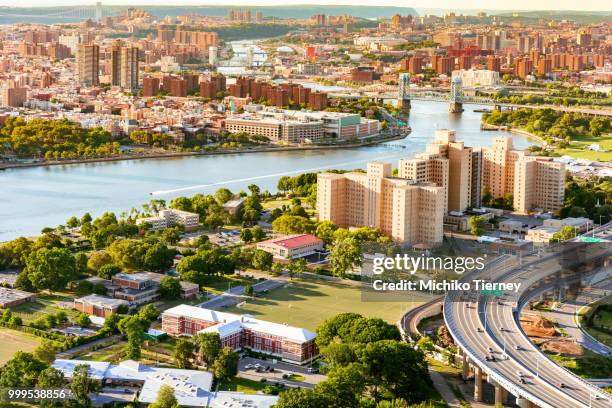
x,y
324,205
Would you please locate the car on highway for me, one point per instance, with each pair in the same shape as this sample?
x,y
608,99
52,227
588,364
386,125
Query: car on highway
x,y
520,374
490,349
518,347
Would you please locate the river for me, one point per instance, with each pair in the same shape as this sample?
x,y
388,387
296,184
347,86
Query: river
x,y
33,198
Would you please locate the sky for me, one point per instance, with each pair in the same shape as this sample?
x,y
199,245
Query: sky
x,y
600,5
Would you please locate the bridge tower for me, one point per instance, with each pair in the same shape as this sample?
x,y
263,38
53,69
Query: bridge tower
x,y
99,11
456,95
403,93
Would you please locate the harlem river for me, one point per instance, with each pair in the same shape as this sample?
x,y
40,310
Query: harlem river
x,y
37,197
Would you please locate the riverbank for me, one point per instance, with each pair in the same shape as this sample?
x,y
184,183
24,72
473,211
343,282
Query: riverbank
x,y
518,131
267,149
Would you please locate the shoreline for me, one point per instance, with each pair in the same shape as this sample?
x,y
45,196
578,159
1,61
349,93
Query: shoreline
x,y
5,166
518,131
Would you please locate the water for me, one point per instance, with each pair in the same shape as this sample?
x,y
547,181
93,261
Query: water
x,y
33,198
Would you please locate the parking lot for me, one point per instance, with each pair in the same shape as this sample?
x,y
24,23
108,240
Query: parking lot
x,y
274,371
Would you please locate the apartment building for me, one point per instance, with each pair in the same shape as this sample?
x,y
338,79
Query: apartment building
x,y
498,165
88,64
447,163
408,211
124,65
277,130
538,184
171,217
292,344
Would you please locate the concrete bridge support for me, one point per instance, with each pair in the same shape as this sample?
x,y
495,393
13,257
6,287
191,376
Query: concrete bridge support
x,y
500,395
404,105
478,384
465,367
455,107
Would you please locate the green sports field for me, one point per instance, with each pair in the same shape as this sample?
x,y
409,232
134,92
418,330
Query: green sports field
x,y
307,303
12,341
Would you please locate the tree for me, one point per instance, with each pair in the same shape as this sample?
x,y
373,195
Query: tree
x,y
248,290
223,195
567,232
225,365
325,230
51,268
209,346
50,378
262,260
80,261
277,268
477,225
345,254
343,387
296,266
169,288
107,271
148,313
165,398
133,328
302,398
73,222
292,224
258,233
171,235
21,371
45,352
98,259
425,344
82,320
330,328
183,351
159,257
245,235
81,385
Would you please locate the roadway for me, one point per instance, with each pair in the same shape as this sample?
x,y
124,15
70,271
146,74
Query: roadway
x,y
565,317
479,323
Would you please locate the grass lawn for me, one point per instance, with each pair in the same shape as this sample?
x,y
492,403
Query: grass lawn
x,y
12,341
578,145
276,203
307,303
296,378
591,365
42,305
244,385
218,284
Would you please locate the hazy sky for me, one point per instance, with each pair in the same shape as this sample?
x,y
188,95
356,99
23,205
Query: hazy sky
x,y
602,5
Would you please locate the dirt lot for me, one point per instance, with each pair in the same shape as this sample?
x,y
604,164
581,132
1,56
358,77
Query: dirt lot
x,y
536,326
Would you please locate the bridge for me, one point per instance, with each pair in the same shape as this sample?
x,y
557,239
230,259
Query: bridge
x,y
73,14
455,96
493,345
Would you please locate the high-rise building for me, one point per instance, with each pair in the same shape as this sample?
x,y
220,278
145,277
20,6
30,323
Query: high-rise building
x,y
447,163
498,166
13,95
124,65
150,86
493,63
408,211
88,64
538,184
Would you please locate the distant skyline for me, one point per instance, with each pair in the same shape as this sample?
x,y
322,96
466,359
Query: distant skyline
x,y
519,5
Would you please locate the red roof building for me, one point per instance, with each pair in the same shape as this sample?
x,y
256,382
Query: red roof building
x,y
292,246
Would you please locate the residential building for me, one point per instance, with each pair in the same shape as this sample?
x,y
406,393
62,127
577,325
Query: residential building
x,y
447,163
498,164
408,211
14,96
124,65
538,184
293,246
288,343
88,64
170,218
472,78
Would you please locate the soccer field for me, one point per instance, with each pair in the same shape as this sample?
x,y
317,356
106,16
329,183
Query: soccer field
x,y
12,341
307,303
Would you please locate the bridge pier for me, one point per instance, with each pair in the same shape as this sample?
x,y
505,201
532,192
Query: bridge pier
x,y
455,107
404,105
497,107
523,403
478,384
465,366
500,395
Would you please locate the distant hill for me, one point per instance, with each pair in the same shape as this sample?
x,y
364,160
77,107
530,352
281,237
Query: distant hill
x,y
578,16
68,14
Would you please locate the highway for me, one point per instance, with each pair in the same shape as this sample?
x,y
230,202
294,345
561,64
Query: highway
x,y
479,323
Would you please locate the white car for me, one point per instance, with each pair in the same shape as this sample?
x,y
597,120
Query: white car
x,y
248,366
520,374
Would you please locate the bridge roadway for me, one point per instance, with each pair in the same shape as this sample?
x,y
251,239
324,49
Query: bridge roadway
x,y
501,332
476,100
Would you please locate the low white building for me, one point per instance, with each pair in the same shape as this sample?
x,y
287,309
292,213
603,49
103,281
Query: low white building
x,y
171,217
192,388
473,78
293,246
